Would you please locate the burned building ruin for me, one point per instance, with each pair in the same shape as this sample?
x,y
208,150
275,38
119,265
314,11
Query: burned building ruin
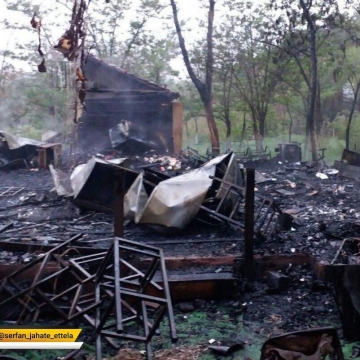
x,y
128,113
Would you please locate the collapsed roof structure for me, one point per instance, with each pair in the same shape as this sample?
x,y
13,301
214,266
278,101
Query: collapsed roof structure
x,y
127,112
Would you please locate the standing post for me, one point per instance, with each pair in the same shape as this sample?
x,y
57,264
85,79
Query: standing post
x,y
249,224
178,116
118,232
119,204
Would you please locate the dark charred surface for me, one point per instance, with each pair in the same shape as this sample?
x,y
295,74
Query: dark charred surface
x,y
325,212
307,303
114,96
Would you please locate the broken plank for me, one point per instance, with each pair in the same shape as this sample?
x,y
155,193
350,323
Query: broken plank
x,y
187,241
348,171
31,248
6,227
207,286
193,261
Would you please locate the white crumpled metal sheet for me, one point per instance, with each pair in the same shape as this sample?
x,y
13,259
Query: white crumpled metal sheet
x,y
16,142
174,202
78,177
82,172
61,181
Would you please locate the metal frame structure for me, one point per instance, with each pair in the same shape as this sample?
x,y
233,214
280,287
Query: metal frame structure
x,y
253,155
265,208
106,289
243,152
247,154
130,292
34,298
304,342
10,191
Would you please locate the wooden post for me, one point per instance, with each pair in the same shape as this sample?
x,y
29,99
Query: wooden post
x,y
42,158
249,224
57,156
119,203
177,126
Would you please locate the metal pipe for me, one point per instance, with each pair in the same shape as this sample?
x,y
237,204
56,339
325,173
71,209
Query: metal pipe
x,y
119,203
249,223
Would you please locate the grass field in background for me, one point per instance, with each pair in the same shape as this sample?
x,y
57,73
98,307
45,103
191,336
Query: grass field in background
x,y
333,145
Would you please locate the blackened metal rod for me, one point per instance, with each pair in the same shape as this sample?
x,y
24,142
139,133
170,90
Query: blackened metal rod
x,y
119,324
167,294
249,223
119,203
146,331
98,351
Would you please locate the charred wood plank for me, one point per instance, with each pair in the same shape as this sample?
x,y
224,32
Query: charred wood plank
x,y
26,247
249,223
6,227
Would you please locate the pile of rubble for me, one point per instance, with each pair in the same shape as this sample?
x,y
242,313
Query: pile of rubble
x,y
19,153
91,287
197,211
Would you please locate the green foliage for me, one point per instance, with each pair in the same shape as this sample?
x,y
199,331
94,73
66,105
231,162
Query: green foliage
x,y
36,354
190,99
252,80
31,104
198,327
248,68
334,145
152,60
339,126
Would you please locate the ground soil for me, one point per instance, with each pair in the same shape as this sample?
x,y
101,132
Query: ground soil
x,y
325,212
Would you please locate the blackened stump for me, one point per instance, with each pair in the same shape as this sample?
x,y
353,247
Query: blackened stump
x,y
249,223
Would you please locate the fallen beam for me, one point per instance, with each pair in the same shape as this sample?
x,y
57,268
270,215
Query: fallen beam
x,y
176,263
26,247
208,286
6,227
348,171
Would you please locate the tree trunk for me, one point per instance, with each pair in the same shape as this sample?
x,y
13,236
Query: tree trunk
x,y
314,145
228,127
254,123
318,118
261,134
291,120
353,106
283,121
259,129
196,141
228,132
187,132
347,134
259,141
243,130
311,112
262,126
214,134
306,146
204,89
314,83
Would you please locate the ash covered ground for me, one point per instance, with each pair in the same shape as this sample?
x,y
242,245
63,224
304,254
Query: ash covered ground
x,y
325,212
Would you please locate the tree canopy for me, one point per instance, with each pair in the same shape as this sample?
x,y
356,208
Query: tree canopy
x,y
251,69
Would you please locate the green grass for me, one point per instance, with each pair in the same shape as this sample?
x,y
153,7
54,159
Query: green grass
x,y
333,145
198,327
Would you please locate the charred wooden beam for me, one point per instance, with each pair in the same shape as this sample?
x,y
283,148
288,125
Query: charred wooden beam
x,y
249,224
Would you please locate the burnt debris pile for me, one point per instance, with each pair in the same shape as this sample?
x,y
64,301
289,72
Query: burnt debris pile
x,y
285,234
